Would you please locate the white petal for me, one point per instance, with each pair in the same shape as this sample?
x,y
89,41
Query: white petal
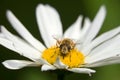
x,y
82,70
74,30
8,44
107,61
83,33
59,64
46,67
103,55
18,64
102,38
19,27
49,23
18,45
109,45
86,27
105,50
1,35
95,26
106,36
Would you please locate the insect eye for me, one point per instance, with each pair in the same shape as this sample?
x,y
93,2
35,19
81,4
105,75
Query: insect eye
x,y
69,47
61,46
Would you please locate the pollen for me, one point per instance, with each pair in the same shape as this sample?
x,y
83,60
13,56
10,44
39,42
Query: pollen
x,y
73,59
51,54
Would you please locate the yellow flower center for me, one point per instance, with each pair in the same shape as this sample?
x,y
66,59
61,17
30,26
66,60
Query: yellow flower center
x,y
73,58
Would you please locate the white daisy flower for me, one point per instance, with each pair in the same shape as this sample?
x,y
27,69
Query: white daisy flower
x,y
77,50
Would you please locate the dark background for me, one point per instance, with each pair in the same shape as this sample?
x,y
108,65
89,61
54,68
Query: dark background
x,y
69,11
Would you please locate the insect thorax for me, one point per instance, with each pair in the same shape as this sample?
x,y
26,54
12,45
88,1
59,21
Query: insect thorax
x,y
65,46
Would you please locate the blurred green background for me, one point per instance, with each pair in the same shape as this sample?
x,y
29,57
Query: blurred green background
x,y
69,11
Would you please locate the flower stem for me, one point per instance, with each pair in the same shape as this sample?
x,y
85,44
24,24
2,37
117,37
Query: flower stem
x,y
60,76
